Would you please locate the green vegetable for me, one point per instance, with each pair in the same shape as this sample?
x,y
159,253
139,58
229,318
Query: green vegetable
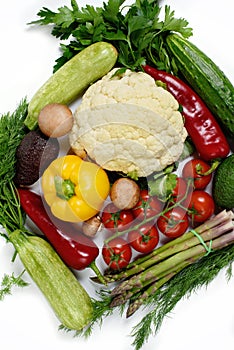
x,y
72,79
137,35
223,184
205,77
69,300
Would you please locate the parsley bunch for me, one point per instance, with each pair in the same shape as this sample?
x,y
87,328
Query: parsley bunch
x,y
137,31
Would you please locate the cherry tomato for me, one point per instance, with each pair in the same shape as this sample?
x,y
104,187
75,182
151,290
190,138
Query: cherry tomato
x,y
147,206
201,206
145,239
117,253
113,218
173,223
193,169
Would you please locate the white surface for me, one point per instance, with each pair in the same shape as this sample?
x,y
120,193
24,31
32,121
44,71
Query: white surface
x,y
206,319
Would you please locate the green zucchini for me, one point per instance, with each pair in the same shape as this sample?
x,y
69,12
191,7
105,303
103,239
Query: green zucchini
x,y
67,83
205,77
67,297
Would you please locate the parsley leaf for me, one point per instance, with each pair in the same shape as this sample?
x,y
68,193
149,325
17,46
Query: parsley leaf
x,y
137,34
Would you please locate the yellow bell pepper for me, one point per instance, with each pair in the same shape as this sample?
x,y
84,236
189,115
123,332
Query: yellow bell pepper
x,y
74,189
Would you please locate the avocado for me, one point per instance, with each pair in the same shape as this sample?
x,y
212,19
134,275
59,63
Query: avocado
x,y
223,184
34,153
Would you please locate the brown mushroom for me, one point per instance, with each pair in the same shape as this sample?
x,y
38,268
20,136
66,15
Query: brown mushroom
x,y
91,226
125,193
55,120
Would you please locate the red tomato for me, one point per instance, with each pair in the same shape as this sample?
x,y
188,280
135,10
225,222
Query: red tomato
x,y
147,206
117,253
145,239
113,218
201,206
174,222
192,170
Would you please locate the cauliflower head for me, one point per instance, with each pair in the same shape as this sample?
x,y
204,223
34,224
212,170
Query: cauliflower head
x,y
126,123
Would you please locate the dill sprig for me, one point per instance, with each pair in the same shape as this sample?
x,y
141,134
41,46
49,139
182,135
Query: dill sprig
x,y
12,130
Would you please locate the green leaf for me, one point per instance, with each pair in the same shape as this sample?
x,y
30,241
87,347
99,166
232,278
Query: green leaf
x,y
162,187
111,10
119,35
177,25
64,17
138,23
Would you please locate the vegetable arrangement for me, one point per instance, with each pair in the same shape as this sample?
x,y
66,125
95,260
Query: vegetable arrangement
x,y
142,209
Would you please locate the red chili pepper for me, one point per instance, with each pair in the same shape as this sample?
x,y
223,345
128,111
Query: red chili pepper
x,y
76,250
200,124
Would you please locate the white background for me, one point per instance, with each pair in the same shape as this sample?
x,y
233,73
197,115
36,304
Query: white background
x,y
206,319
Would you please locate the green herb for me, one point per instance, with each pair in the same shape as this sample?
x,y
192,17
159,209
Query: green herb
x,y
137,31
12,130
10,281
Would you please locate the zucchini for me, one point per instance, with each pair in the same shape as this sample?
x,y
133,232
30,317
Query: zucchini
x,y
205,77
68,82
67,297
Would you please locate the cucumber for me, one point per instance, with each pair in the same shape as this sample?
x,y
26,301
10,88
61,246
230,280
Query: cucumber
x,y
205,77
223,184
67,297
67,83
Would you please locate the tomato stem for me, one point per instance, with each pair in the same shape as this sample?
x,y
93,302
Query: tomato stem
x,y
213,167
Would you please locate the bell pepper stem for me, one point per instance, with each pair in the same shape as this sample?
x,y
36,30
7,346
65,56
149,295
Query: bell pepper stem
x,y
100,277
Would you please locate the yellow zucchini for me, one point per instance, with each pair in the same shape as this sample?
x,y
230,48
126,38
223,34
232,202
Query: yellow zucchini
x,y
67,297
67,83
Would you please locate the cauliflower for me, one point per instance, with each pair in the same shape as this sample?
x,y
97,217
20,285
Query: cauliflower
x,y
129,124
